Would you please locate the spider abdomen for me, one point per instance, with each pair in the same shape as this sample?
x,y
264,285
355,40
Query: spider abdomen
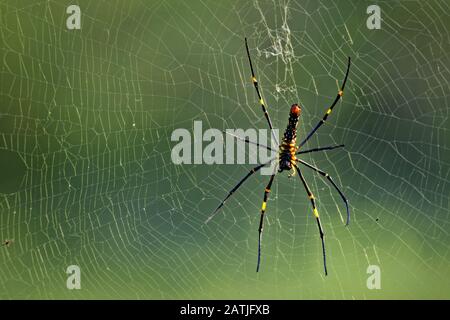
x,y
288,145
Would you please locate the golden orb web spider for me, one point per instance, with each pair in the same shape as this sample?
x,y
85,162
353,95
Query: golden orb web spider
x,y
287,160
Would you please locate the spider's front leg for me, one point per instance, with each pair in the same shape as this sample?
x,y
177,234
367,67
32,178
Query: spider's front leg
x,y
261,220
316,215
328,177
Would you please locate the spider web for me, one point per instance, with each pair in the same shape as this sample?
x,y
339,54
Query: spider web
x,y
87,179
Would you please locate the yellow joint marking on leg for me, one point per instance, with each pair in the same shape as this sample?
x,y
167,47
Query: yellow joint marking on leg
x,y
311,196
263,207
328,111
341,93
254,79
267,190
261,101
316,213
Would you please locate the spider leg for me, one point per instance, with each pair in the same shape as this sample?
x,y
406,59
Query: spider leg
x,y
261,101
259,145
252,171
316,215
327,113
320,149
261,220
326,175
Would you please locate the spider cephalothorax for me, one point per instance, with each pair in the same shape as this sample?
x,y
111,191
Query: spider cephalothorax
x,y
287,160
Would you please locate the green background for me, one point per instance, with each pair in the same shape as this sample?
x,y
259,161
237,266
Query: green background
x,y
86,176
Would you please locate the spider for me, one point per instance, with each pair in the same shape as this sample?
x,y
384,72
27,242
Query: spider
x,y
287,160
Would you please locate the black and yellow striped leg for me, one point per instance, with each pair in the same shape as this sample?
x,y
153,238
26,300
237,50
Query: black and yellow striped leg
x,y
316,215
261,220
330,109
252,171
326,175
261,100
319,149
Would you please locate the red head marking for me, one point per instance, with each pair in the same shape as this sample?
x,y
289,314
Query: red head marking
x,y
295,110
